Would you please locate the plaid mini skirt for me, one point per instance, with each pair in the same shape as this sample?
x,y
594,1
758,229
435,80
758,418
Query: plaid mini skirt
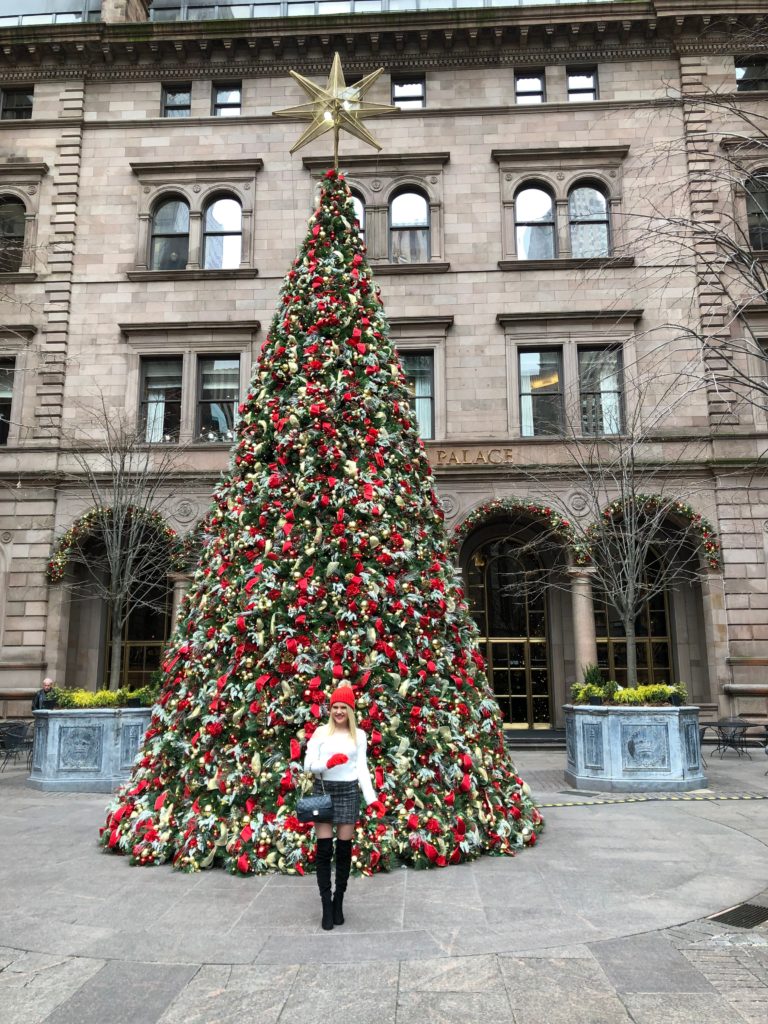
x,y
345,797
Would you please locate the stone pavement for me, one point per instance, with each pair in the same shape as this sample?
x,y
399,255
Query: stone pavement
x,y
606,921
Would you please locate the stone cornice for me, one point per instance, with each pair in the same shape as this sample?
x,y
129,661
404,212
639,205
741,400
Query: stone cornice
x,y
610,315
603,154
494,36
178,169
381,162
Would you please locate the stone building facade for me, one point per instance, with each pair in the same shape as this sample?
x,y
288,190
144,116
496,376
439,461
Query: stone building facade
x,y
121,129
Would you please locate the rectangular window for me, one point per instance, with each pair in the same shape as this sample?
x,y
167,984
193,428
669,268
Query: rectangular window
x,y
582,85
541,392
752,75
218,394
7,369
419,370
600,391
227,98
409,92
529,87
177,100
161,399
16,104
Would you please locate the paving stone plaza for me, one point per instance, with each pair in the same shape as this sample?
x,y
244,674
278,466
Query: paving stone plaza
x,y
607,921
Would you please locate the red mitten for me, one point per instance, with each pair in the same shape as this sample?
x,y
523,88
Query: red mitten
x,y
377,808
336,759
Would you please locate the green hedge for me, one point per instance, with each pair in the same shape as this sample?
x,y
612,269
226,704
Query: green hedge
x,y
87,699
611,693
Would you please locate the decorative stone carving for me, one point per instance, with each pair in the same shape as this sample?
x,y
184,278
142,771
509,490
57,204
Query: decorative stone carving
x,y
376,185
185,511
578,503
644,747
130,738
79,748
593,744
449,503
6,536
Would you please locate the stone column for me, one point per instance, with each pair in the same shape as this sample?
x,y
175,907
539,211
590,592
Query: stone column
x,y
585,642
716,640
180,582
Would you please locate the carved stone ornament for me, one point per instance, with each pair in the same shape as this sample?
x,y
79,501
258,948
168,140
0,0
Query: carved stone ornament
x,y
80,748
147,189
376,185
560,176
578,503
195,188
31,189
6,536
449,503
185,511
433,178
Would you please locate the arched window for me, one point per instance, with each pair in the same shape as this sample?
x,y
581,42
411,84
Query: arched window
x,y
222,234
12,224
534,224
170,236
588,221
757,210
359,206
409,228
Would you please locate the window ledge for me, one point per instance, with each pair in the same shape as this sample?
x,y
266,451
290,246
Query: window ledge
x,y
597,263
18,277
190,275
388,269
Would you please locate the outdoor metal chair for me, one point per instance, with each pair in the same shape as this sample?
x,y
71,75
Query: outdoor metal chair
x,y
12,743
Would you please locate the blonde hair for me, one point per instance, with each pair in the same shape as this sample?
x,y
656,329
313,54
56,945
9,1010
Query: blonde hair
x,y
331,725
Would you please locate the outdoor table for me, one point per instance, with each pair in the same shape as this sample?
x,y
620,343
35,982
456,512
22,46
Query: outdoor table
x,y
732,735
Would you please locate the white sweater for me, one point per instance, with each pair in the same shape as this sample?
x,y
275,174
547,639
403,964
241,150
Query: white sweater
x,y
322,746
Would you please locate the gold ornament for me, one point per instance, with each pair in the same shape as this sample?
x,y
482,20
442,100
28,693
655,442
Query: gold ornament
x,y
336,107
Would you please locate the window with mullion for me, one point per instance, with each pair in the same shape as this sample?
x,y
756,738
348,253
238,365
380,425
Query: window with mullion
x,y
541,392
757,210
419,370
16,104
227,99
223,234
7,370
170,236
535,224
161,399
12,229
409,92
177,100
529,87
588,222
600,391
409,228
752,75
582,85
218,394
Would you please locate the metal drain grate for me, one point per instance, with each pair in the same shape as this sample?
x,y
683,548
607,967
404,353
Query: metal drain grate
x,y
746,915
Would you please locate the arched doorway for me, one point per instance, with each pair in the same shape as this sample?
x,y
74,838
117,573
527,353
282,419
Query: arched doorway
x,y
507,594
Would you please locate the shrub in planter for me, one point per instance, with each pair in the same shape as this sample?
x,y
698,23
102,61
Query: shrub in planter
x,y
88,699
649,695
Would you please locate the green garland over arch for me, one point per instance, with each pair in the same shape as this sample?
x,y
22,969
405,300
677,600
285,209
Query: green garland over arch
x,y
88,523
700,526
560,526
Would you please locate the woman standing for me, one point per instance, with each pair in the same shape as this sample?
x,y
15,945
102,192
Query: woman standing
x,y
337,751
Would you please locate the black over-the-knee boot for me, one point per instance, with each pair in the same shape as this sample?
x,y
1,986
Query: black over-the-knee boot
x,y
343,862
323,862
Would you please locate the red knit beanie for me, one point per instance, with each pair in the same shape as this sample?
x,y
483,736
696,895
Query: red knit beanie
x,y
344,695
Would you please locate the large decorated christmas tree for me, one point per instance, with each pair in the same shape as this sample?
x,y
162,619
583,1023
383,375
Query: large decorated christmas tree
x,y
324,561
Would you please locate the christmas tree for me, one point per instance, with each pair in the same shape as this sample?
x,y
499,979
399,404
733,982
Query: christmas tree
x,y
324,561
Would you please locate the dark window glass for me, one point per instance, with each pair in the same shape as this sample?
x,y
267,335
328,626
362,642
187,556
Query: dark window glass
x,y
359,206
177,100
160,399
170,236
217,397
7,369
751,75
588,219
582,85
409,92
409,228
227,97
222,235
600,390
534,224
16,104
419,370
12,225
529,87
541,393
757,210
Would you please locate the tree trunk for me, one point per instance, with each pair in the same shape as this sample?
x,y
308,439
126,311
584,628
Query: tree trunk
x,y
629,628
115,661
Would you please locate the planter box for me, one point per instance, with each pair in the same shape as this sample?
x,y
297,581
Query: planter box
x,y
86,751
633,749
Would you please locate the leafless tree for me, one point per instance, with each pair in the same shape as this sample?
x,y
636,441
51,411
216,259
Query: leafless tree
x,y
124,553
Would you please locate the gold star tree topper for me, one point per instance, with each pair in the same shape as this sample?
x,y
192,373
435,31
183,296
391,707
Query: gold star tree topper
x,y
336,107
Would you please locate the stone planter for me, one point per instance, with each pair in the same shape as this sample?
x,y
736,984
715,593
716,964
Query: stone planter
x,y
633,749
86,751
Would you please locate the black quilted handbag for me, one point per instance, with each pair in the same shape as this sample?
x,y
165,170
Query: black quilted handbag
x,y
315,809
